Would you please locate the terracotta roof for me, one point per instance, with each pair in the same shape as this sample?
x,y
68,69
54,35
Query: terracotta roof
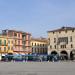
x,y
12,30
63,29
39,39
18,31
26,33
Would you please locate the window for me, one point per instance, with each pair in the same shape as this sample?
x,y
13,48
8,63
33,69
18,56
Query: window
x,y
43,44
45,50
55,46
24,37
24,42
65,31
59,31
15,42
32,50
32,44
0,48
49,41
15,34
40,45
38,50
35,44
8,41
63,39
70,38
11,48
0,42
4,42
19,42
4,48
8,48
10,33
63,46
54,40
18,35
73,30
35,50
12,42
53,32
50,46
71,46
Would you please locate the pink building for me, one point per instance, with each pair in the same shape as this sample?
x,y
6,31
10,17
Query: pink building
x,y
21,43
26,38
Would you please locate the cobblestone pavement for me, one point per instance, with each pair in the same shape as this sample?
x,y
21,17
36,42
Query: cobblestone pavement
x,y
37,68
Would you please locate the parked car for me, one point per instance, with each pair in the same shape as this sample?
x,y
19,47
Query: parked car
x,y
53,58
17,58
9,57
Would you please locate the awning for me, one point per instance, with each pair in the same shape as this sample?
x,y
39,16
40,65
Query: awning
x,y
10,51
3,54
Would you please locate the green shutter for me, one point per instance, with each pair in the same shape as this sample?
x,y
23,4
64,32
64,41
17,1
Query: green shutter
x,y
4,42
0,42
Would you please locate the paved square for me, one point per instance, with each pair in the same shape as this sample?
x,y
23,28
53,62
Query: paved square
x,y
37,68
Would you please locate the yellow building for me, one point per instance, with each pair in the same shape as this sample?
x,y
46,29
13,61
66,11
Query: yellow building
x,y
10,48
39,45
6,45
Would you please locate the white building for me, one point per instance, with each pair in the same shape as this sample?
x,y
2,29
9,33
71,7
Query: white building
x,y
62,42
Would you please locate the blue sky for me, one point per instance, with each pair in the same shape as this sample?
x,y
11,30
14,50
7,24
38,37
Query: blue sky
x,y
36,16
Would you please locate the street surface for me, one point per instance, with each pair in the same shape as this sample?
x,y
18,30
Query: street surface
x,y
37,68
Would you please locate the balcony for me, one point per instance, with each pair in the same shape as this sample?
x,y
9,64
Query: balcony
x,y
3,44
62,43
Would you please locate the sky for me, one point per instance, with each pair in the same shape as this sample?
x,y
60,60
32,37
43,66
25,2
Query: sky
x,y
36,16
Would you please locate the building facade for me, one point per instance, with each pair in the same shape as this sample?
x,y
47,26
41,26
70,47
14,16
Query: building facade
x,y
17,36
26,39
62,42
6,45
21,40
39,45
10,45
